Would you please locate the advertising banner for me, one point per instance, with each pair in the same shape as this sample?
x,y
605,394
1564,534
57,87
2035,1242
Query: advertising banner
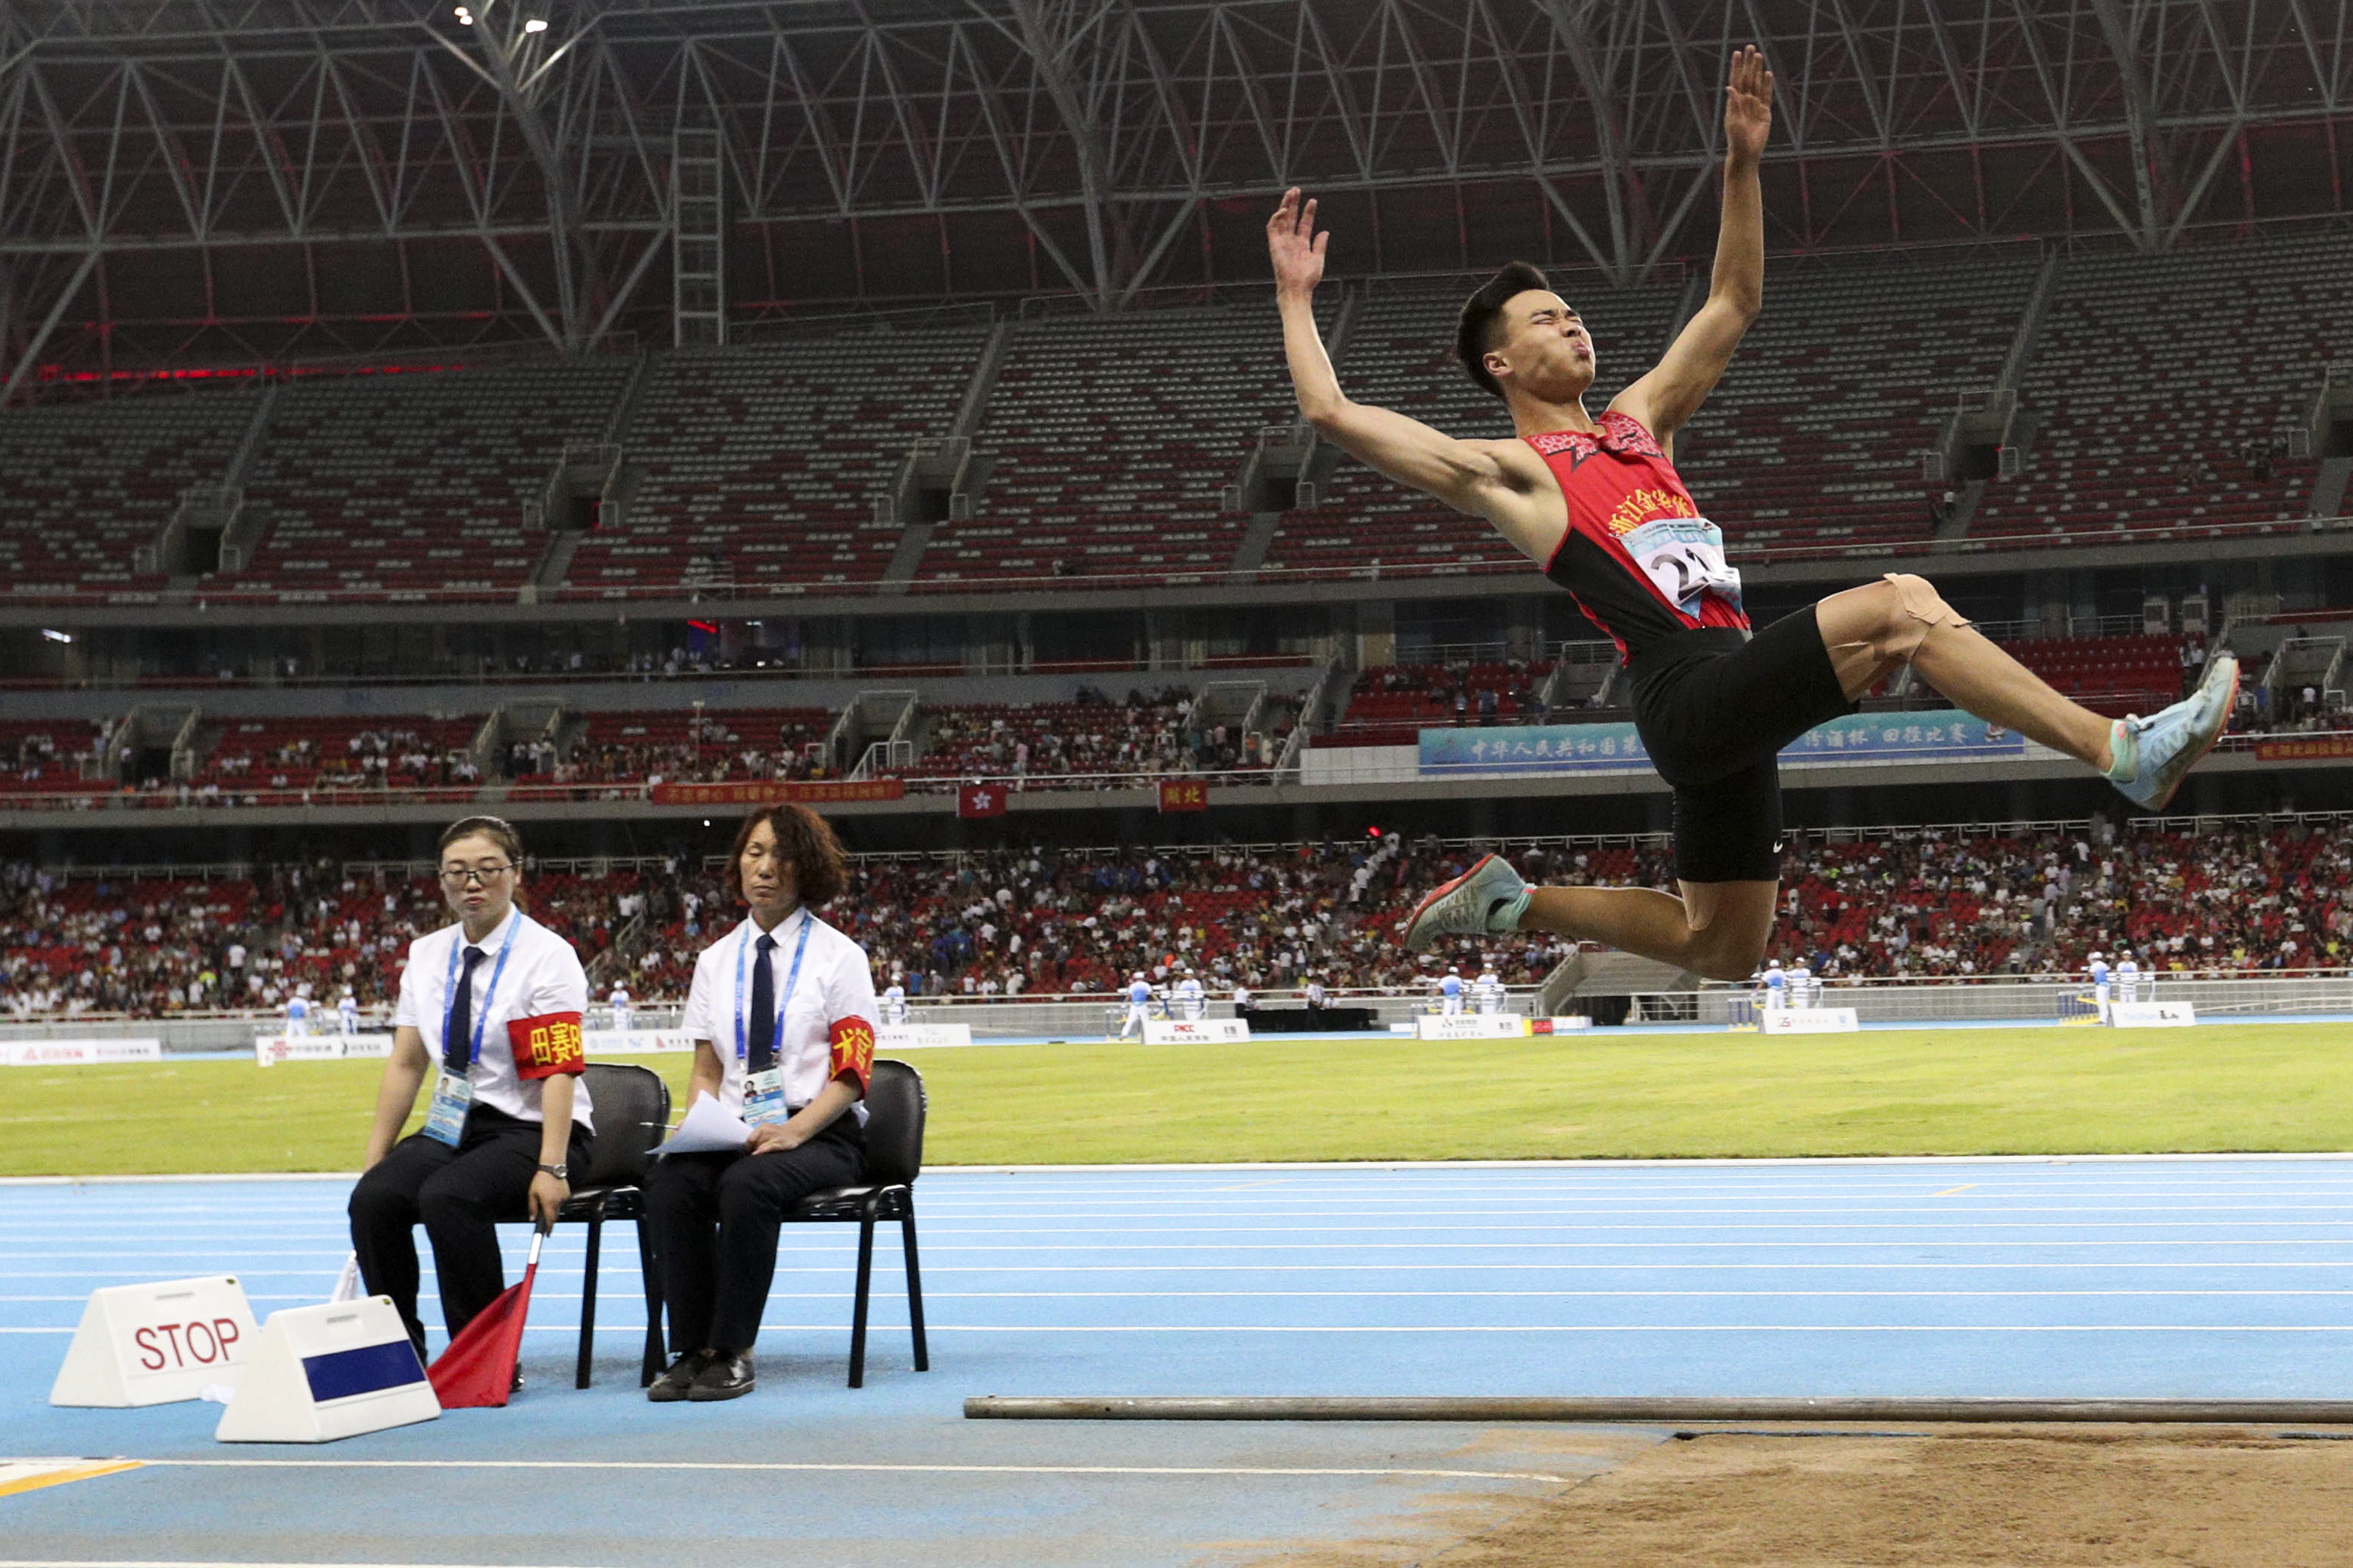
x,y
1470,1026
2152,1015
2304,748
916,1037
636,1042
762,792
268,1050
1194,1031
1809,1021
77,1053
1942,734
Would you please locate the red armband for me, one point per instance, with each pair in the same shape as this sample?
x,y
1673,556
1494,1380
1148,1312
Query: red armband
x,y
853,1051
547,1045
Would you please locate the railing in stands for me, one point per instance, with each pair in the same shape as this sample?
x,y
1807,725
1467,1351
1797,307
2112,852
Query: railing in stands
x,y
717,591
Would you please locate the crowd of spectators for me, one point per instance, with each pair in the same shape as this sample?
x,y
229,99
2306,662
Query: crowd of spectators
x,y
2245,897
2242,897
1146,734
714,748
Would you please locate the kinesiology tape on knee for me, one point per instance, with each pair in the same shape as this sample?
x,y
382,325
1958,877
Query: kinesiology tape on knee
x,y
1924,612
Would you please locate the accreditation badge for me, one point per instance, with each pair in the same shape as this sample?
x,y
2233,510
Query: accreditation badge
x,y
764,1096
453,1096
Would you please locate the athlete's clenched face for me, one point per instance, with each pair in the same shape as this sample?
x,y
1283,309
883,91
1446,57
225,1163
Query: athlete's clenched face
x,y
1545,350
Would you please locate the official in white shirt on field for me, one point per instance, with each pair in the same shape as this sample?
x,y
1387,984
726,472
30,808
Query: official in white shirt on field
x,y
348,1011
491,1009
1139,1006
618,1003
782,1014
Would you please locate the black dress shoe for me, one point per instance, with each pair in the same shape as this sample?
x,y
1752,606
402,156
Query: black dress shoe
x,y
672,1385
723,1376
516,1386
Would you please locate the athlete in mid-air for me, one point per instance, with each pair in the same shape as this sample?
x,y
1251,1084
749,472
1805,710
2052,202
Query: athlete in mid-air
x,y
1598,503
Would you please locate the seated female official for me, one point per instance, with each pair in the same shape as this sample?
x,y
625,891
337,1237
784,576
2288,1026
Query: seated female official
x,y
781,1011
491,1008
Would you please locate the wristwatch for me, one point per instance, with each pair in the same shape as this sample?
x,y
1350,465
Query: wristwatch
x,y
562,1173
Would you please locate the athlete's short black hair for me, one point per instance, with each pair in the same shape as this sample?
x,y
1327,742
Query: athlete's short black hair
x,y
1480,312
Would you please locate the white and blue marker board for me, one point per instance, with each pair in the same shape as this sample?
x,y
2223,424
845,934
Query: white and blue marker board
x,y
318,1373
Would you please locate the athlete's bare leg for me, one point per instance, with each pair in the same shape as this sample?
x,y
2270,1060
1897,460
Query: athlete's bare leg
x,y
1716,929
1873,630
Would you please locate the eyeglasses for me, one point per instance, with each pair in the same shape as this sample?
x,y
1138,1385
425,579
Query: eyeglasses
x,y
463,876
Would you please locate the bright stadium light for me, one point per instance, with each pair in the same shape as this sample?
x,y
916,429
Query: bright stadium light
x,y
465,17
536,25
54,636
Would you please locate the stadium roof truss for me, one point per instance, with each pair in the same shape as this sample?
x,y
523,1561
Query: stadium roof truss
x,y
234,182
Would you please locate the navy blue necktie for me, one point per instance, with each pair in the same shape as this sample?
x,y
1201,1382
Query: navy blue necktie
x,y
763,1049
456,1049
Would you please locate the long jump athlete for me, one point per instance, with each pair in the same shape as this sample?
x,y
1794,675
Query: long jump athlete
x,y
1599,502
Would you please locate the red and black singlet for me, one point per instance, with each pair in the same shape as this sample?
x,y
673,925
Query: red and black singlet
x,y
1638,555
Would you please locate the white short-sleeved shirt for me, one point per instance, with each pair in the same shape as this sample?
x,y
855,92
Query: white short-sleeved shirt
x,y
543,976
835,986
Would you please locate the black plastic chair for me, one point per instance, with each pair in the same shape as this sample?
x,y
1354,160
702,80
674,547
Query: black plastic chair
x,y
894,1158
632,1110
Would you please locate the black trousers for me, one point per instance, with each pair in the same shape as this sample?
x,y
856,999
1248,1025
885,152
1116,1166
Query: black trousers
x,y
461,1194
715,1218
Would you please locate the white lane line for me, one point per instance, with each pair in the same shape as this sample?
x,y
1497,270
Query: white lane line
x,y
625,1298
573,1330
823,1468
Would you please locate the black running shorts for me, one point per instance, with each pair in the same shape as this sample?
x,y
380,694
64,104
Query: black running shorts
x,y
1714,707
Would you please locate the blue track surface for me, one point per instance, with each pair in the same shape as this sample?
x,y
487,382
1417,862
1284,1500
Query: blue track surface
x,y
2146,1279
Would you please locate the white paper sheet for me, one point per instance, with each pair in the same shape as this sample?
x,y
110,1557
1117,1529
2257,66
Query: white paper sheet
x,y
708,1128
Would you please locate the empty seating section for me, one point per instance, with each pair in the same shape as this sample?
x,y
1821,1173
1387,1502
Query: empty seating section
x,y
1812,440
762,464
414,485
84,485
1400,354
1113,440
676,745
2153,376
2113,675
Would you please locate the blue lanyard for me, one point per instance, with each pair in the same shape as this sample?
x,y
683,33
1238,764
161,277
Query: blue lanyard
x,y
449,991
792,978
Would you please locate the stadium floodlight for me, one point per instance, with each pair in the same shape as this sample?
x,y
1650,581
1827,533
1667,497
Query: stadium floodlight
x,y
536,25
465,17
56,636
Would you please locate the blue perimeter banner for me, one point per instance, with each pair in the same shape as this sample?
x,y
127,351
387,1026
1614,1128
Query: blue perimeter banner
x,y
1938,736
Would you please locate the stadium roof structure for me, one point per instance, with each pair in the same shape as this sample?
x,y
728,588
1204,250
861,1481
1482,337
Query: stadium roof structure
x,y
233,182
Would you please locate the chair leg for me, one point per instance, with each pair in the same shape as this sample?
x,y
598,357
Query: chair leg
x,y
914,1282
650,1366
588,1299
858,1312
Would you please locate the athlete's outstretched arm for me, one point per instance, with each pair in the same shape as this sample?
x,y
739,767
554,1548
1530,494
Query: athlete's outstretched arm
x,y
1459,473
1672,392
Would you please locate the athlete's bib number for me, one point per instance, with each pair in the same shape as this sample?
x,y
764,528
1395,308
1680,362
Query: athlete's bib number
x,y
1684,556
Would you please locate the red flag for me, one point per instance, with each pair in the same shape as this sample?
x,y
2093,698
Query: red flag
x,y
980,800
1184,795
478,1367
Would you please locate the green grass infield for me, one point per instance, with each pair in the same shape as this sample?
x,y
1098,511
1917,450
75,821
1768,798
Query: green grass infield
x,y
2075,1091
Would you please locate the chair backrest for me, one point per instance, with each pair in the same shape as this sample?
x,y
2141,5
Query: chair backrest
x,y
895,1123
632,1110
